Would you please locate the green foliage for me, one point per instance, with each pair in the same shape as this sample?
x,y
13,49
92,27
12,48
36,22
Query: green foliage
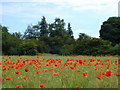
x,y
43,26
18,35
66,49
10,44
92,46
28,47
110,30
70,32
115,50
56,39
42,47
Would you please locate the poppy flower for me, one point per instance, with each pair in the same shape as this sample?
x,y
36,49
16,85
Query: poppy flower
x,y
17,67
84,74
26,70
41,85
45,70
56,65
18,86
8,78
37,72
114,68
92,60
24,78
99,77
77,87
108,73
17,72
47,64
4,69
71,67
78,71
55,74
102,73
52,69
95,68
0,79
117,74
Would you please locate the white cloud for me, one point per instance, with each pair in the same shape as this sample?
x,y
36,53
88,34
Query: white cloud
x,y
99,6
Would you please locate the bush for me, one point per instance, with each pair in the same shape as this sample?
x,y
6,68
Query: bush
x,y
28,47
115,50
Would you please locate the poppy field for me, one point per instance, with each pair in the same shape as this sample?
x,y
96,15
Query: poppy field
x,y
59,71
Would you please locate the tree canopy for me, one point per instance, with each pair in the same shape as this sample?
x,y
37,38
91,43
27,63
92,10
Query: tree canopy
x,y
110,30
56,39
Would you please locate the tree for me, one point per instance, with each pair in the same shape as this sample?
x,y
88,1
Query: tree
x,y
84,36
94,46
10,43
70,32
115,50
43,26
17,34
57,28
29,33
110,30
28,47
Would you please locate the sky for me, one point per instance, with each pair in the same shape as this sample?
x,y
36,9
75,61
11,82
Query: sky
x,y
85,16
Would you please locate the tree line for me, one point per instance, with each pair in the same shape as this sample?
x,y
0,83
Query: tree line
x,y
56,39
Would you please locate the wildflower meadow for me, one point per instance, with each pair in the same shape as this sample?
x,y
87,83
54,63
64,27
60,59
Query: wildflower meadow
x,y
54,71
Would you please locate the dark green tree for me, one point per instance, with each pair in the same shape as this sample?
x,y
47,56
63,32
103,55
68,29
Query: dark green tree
x,y
84,36
28,47
94,46
10,44
17,34
29,33
110,30
43,26
70,32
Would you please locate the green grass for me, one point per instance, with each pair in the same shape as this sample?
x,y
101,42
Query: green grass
x,y
67,77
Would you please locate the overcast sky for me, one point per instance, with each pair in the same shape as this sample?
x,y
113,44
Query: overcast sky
x,y
85,16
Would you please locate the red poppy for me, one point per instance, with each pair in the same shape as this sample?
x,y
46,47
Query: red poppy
x,y
78,71
92,60
77,87
17,72
52,69
26,70
84,74
8,78
117,74
71,67
55,74
0,79
47,64
24,78
102,73
55,65
108,73
114,68
41,85
37,72
4,69
17,67
99,77
18,86
45,70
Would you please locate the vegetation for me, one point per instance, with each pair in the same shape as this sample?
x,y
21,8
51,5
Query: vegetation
x,y
51,71
56,39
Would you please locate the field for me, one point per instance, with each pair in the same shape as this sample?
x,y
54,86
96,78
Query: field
x,y
53,71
